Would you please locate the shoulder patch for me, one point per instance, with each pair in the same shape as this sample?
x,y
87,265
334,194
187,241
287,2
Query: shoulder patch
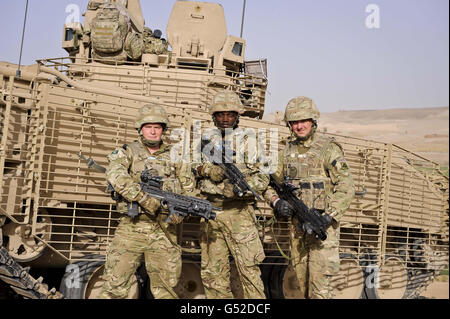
x,y
116,154
338,160
125,146
340,164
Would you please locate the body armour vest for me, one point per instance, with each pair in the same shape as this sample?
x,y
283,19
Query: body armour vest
x,y
159,164
304,167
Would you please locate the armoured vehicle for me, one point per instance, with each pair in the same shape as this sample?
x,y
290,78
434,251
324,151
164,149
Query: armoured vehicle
x,y
61,118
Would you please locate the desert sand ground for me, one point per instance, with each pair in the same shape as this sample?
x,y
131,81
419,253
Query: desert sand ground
x,y
439,289
424,131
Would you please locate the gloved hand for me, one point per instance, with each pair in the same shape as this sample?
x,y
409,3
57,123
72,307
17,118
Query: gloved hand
x,y
174,219
307,229
328,220
204,169
228,190
283,209
216,174
149,204
212,171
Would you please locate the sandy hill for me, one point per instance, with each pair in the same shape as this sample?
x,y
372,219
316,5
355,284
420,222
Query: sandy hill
x,y
424,131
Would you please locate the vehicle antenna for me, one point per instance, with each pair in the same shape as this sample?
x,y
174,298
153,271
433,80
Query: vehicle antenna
x,y
243,16
18,73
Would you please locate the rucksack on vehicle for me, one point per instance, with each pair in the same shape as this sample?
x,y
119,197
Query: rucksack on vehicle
x,y
109,30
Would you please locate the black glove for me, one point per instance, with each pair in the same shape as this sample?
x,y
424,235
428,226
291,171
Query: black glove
x,y
328,220
283,209
306,227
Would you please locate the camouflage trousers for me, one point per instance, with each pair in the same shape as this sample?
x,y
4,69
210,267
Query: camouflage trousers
x,y
234,231
131,242
315,262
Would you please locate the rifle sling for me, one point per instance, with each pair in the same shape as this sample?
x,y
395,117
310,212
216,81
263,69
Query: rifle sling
x,y
272,222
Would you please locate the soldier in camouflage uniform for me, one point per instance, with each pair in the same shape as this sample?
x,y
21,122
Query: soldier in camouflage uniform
x,y
317,166
234,231
146,235
153,42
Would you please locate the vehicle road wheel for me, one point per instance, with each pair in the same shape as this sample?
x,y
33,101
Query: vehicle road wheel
x,y
24,246
391,280
291,286
190,285
349,282
84,280
284,283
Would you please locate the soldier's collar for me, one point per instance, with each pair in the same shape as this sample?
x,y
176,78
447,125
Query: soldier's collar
x,y
307,143
162,148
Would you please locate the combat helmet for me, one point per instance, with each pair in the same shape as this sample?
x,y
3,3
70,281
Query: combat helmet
x,y
226,101
151,113
147,32
301,108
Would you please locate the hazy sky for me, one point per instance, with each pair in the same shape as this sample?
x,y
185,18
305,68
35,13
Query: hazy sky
x,y
317,48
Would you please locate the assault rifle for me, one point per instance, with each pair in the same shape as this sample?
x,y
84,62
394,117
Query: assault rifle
x,y
234,175
177,204
311,220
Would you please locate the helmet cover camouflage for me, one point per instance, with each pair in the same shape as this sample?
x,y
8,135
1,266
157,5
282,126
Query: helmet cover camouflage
x,y
226,101
151,113
301,108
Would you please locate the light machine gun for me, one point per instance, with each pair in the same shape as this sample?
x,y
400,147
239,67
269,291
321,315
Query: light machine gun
x,y
177,204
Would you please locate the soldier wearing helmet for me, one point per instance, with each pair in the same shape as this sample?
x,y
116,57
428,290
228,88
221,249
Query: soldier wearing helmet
x,y
234,231
147,234
225,109
301,117
153,43
316,164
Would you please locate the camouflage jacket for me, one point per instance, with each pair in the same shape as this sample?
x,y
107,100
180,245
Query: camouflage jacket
x,y
155,46
127,163
246,160
318,167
